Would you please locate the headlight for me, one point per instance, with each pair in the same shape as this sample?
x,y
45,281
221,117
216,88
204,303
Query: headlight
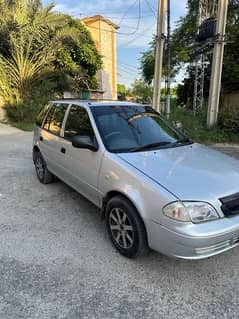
x,y
195,212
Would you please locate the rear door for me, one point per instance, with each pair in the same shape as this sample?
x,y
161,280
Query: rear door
x,y
50,137
81,165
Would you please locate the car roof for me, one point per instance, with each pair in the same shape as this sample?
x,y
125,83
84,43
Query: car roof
x,y
91,103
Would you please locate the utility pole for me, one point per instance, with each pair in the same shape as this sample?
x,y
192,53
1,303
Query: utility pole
x,y
168,81
198,96
215,84
160,39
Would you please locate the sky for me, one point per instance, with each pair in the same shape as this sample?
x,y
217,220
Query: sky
x,y
137,21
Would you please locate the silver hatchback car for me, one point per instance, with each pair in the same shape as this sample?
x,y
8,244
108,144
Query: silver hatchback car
x,y
155,187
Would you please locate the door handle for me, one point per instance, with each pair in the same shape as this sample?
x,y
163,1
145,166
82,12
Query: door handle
x,y
41,138
63,150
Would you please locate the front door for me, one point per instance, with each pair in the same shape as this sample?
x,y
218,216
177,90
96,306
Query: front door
x,y
81,165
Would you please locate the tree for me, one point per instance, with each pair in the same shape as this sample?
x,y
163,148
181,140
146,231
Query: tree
x,y
122,92
142,91
183,46
147,62
41,51
230,72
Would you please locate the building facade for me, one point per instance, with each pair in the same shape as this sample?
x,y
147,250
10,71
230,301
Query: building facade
x,y
103,32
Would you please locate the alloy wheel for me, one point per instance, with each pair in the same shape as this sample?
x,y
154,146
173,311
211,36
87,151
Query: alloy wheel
x,y
39,167
121,228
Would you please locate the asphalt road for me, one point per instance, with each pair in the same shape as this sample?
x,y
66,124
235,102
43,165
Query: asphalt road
x,y
57,262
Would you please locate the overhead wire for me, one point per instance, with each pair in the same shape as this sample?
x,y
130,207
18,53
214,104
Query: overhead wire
x,y
124,69
123,76
131,66
109,16
123,33
126,11
142,34
151,8
139,18
111,31
128,17
130,77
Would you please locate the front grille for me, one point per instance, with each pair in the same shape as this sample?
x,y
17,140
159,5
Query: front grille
x,y
230,204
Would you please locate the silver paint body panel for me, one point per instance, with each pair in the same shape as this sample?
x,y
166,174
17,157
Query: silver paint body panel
x,y
150,180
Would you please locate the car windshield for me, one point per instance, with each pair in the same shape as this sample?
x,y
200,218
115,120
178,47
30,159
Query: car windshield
x,y
132,128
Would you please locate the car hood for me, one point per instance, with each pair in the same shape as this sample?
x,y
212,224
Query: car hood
x,y
190,172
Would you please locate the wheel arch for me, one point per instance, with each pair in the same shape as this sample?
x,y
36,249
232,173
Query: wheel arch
x,y
115,193
34,151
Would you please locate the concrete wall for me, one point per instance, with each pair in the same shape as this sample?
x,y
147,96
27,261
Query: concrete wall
x,y
231,100
229,111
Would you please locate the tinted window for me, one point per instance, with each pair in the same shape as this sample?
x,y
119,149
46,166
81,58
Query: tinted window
x,y
55,118
49,116
78,123
42,114
128,127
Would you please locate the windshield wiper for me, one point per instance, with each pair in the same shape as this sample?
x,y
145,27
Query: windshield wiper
x,y
148,146
183,141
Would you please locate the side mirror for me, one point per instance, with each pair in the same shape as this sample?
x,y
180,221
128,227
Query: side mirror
x,y
84,141
178,125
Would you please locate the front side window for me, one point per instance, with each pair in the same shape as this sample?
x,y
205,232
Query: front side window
x,y
78,123
55,118
134,128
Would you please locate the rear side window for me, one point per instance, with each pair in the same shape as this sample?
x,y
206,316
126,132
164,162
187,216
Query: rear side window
x,y
48,118
55,118
78,123
42,114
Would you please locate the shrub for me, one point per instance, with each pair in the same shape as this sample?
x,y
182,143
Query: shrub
x,y
229,118
27,110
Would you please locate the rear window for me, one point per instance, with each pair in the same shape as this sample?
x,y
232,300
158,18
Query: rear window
x,y
42,114
55,117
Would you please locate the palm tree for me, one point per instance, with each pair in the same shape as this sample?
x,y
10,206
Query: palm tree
x,y
39,45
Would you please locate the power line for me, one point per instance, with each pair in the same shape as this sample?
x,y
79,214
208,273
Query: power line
x,y
111,31
130,27
128,65
124,73
123,33
129,17
117,32
126,12
124,69
151,8
138,22
142,34
139,19
127,77
80,14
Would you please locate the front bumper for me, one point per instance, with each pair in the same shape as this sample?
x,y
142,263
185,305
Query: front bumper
x,y
188,243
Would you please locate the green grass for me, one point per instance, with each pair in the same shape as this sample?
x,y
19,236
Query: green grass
x,y
24,126
195,128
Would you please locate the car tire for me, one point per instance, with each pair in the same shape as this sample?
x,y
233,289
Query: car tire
x,y
43,174
125,227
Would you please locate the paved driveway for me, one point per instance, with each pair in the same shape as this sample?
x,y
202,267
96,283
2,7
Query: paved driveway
x,y
56,260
